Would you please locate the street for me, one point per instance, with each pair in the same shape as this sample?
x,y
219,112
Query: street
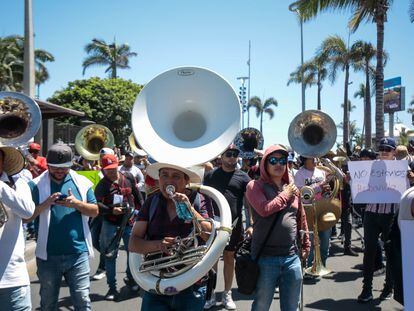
x,y
336,291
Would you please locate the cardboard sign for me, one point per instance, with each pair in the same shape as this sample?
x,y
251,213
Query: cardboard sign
x,y
379,181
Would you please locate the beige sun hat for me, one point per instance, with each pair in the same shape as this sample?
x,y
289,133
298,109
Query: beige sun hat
x,y
154,169
13,161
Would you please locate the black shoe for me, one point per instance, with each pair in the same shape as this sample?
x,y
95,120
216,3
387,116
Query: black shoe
x,y
112,295
386,293
350,252
365,296
132,285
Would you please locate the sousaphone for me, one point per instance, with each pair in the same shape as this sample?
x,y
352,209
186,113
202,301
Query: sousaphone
x,y
185,116
91,139
248,140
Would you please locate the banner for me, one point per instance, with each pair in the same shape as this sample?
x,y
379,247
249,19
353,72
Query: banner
x,y
378,181
93,176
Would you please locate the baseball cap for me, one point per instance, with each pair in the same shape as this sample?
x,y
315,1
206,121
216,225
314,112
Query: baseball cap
x,y
232,147
387,142
59,155
106,150
34,146
109,161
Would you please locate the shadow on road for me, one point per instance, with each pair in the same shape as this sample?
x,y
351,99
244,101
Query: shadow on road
x,y
344,276
343,305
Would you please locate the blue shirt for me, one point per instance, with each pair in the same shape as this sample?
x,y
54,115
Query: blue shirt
x,y
66,234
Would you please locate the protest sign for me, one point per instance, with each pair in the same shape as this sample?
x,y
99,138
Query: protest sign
x,y
379,181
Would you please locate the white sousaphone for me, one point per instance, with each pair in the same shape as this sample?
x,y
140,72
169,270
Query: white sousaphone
x,y
185,116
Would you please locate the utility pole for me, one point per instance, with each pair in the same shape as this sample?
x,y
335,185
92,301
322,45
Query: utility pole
x,y
248,88
29,66
242,97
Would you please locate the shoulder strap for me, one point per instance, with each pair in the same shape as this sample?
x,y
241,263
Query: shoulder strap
x,y
153,207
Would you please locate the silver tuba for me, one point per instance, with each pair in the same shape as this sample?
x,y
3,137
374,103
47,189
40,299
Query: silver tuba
x,y
185,116
249,140
20,119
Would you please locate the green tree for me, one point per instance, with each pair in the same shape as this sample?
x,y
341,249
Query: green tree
x,y
105,101
262,108
351,106
354,132
11,63
314,73
113,56
340,57
362,10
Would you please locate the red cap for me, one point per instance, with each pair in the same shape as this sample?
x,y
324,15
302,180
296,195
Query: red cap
x,y
109,161
34,146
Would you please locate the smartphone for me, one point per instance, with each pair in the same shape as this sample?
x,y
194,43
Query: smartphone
x,y
62,197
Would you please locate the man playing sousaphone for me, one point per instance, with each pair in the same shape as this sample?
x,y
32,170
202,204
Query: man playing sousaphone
x,y
161,220
16,204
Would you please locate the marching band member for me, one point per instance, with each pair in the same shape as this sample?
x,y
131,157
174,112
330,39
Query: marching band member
x,y
64,202
17,201
158,225
36,164
309,175
280,262
117,196
231,182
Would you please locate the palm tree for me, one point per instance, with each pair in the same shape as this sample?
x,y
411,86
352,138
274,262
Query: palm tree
x,y
354,132
111,55
314,73
340,57
362,10
261,108
351,106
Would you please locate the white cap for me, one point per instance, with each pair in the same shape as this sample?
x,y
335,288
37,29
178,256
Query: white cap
x,y
106,151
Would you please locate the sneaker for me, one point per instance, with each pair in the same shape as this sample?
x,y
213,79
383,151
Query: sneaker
x,y
348,251
132,285
211,302
365,296
99,275
112,295
386,293
227,301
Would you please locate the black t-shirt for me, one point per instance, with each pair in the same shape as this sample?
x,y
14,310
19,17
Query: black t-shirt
x,y
232,185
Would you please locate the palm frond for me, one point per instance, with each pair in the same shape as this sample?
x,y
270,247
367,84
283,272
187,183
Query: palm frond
x,y
270,112
94,61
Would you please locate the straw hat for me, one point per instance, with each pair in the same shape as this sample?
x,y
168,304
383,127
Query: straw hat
x,y
13,161
154,169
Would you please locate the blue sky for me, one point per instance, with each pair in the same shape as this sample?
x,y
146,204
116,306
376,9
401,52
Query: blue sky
x,y
212,34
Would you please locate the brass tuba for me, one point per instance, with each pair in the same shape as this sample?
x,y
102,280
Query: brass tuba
x,y
135,147
248,140
312,134
175,120
20,119
91,139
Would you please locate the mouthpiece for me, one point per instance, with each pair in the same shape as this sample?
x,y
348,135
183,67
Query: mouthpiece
x,y
170,189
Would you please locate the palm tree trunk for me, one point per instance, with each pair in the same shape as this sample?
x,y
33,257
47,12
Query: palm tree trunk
x,y
319,91
261,121
346,108
367,111
379,76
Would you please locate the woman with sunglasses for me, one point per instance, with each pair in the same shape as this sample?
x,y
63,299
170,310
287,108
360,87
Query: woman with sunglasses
x,y
274,195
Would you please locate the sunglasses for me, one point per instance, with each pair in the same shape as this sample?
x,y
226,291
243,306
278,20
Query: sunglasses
x,y
385,149
231,153
273,161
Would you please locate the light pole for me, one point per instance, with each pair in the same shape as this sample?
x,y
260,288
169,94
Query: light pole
x,y
242,97
248,90
294,8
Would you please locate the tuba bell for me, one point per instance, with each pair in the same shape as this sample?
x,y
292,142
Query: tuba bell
x,y
312,134
20,119
248,140
91,139
135,147
187,133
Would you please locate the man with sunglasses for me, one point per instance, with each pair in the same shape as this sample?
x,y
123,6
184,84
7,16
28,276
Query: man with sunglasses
x,y
231,182
378,219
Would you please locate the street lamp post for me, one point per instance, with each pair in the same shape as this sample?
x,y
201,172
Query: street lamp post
x,y
294,8
242,96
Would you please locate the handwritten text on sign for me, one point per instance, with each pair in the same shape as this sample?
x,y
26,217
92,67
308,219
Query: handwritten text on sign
x,y
378,181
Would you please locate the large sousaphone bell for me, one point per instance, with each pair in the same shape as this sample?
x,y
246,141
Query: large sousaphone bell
x,y
248,140
91,139
20,119
185,116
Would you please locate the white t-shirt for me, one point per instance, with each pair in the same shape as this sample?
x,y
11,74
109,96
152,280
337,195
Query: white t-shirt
x,y
136,172
313,178
18,204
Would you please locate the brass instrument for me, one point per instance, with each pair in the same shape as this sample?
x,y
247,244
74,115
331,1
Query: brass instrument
x,y
248,140
312,134
91,139
135,147
20,119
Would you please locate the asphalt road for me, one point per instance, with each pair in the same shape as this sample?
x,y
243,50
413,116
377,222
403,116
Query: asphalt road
x,y
336,291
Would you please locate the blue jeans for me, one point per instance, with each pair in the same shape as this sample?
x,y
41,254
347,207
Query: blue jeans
x,y
108,231
324,238
75,269
282,271
96,226
15,298
190,299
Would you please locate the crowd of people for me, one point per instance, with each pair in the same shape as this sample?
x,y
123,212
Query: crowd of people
x,y
69,215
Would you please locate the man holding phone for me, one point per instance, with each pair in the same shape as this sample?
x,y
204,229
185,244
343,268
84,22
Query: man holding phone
x,y
64,201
